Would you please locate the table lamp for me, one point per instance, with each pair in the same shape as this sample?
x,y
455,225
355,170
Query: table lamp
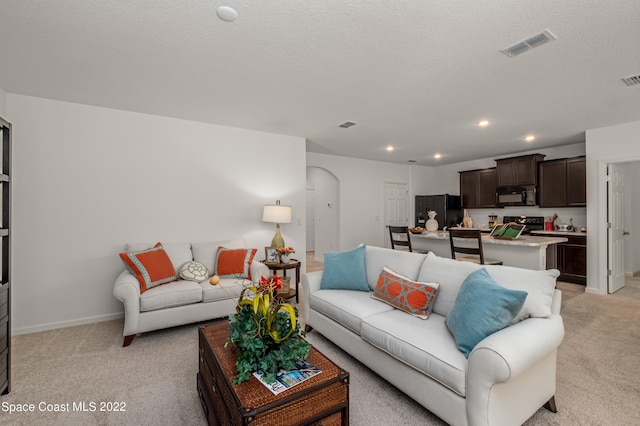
x,y
277,214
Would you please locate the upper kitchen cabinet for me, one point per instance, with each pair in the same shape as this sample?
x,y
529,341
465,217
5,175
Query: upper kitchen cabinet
x,y
478,188
577,182
563,183
516,171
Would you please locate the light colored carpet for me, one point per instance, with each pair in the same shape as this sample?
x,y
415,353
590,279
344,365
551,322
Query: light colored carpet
x,y
598,373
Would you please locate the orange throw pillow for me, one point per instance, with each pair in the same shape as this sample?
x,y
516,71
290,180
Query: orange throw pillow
x,y
152,267
233,263
413,297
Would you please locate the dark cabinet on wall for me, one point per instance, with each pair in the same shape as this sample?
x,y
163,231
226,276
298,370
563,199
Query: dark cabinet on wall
x,y
478,188
572,260
563,183
516,171
5,258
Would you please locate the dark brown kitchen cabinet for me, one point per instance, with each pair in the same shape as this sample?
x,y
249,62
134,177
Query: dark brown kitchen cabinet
x,y
516,171
478,188
577,182
469,188
572,260
562,183
5,259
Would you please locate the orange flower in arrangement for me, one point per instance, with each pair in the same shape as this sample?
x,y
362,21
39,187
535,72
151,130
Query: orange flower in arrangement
x,y
286,250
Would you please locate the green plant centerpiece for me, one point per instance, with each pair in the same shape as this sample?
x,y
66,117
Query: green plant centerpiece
x,y
266,332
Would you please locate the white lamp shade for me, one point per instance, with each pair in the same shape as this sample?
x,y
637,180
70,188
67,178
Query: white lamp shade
x,y
276,214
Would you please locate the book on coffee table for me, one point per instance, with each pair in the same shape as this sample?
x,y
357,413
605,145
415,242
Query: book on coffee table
x,y
288,379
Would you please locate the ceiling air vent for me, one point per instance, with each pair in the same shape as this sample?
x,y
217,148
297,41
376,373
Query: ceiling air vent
x,y
632,81
347,124
530,43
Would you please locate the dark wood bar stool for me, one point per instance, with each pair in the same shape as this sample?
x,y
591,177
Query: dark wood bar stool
x,y
477,252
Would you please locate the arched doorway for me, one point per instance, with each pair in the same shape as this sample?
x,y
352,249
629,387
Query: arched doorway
x,y
323,212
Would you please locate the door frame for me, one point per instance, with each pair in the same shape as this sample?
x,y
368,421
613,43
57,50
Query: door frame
x,y
599,238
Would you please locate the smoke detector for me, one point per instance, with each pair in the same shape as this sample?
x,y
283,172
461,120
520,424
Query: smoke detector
x,y
532,42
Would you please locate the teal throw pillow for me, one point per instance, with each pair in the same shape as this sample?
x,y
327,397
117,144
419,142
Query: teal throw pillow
x,y
345,270
482,307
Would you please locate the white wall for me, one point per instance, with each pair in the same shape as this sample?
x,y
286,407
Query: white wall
x,y
361,195
614,144
3,104
87,180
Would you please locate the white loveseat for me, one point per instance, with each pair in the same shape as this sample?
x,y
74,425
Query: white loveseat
x,y
180,302
508,376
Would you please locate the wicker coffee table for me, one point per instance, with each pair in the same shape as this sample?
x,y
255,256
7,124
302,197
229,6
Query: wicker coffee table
x,y
322,399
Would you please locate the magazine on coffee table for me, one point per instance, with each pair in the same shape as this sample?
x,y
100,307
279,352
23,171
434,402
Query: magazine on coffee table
x,y
288,379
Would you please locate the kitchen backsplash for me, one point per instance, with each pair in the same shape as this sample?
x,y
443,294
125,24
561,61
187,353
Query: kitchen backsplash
x,y
579,215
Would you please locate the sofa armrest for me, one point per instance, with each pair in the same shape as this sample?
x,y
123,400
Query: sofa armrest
x,y
127,290
258,269
508,355
512,350
310,284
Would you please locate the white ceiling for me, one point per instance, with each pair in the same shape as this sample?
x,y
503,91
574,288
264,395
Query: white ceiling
x,y
415,74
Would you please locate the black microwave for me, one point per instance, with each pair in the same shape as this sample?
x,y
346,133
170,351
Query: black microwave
x,y
516,196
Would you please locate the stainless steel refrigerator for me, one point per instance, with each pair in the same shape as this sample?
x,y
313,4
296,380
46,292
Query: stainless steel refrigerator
x,y
447,207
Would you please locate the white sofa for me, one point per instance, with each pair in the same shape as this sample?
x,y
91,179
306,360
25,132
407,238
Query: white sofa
x,y
180,302
508,376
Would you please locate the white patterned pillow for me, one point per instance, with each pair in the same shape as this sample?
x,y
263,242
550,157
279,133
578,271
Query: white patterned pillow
x,y
194,271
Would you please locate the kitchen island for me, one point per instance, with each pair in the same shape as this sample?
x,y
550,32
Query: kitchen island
x,y
528,251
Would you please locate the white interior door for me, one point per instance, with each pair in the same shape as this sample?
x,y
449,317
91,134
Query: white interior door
x,y
615,213
396,202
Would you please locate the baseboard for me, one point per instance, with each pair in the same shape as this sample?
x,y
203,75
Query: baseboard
x,y
64,324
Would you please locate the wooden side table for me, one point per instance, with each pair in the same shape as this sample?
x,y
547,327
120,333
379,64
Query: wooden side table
x,y
292,264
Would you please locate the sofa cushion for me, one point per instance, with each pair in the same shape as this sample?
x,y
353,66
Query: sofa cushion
x,y
151,267
481,308
233,263
426,346
345,270
205,252
176,293
228,288
412,297
450,273
404,263
193,271
539,286
347,307
179,253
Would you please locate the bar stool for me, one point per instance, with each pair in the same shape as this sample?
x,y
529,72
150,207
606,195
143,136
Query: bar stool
x,y
469,235
400,236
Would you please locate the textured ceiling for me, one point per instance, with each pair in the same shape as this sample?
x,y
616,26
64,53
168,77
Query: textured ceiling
x,y
415,74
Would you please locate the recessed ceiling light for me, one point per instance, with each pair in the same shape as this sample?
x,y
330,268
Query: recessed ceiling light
x,y
437,156
530,138
483,123
390,148
227,13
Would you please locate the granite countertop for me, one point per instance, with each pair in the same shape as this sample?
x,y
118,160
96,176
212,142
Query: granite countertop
x,y
526,240
563,233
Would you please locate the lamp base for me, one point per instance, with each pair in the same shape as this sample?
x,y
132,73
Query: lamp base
x,y
277,240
